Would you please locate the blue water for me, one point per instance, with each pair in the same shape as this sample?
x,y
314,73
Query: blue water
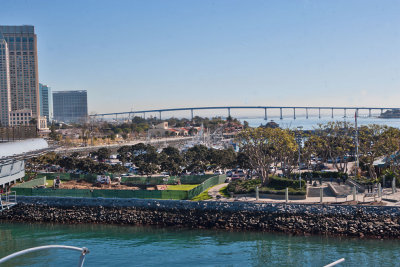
x,y
112,245
312,122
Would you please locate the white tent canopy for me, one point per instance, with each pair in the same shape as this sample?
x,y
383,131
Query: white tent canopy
x,y
20,147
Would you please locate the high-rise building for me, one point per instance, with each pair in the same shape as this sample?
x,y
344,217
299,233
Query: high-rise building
x,y
45,101
23,67
70,106
5,94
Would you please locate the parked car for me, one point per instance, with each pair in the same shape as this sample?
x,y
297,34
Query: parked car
x,y
235,177
229,174
240,173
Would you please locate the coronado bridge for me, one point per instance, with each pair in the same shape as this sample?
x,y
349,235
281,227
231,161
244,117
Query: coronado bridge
x,y
265,109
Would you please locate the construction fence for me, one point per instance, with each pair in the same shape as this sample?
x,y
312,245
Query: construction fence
x,y
137,180
27,189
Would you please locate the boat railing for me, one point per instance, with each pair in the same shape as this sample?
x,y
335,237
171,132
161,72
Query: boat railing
x,y
83,251
335,263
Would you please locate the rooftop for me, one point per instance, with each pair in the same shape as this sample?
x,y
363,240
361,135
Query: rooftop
x,y
11,149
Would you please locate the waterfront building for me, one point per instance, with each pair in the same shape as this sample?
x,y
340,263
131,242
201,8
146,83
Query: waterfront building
x,y
45,101
5,94
23,67
70,106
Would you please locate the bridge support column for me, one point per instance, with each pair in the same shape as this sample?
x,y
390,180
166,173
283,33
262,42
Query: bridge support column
x,y
116,117
345,114
381,111
191,112
265,114
144,115
294,113
281,114
332,114
229,112
306,113
369,113
160,114
319,113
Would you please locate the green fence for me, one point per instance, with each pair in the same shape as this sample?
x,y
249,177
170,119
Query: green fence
x,y
32,183
137,180
195,179
28,190
150,180
214,180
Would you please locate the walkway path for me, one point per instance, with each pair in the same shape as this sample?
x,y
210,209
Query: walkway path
x,y
394,199
214,191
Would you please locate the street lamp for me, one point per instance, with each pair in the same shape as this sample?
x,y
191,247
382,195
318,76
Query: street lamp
x,y
299,141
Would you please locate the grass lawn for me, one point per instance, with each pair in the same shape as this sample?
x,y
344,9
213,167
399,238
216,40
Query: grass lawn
x,y
203,196
182,187
224,192
49,182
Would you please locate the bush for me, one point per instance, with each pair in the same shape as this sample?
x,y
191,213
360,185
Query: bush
x,y
318,174
276,185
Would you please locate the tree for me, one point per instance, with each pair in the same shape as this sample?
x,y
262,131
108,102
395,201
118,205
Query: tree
x,y
53,134
103,154
146,158
259,146
221,158
377,141
196,158
285,150
33,121
124,154
171,160
243,161
68,163
337,142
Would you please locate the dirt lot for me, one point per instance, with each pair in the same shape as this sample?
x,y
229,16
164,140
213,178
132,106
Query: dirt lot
x,y
85,185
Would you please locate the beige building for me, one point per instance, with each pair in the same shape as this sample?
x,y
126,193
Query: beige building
x,y
21,53
20,117
162,129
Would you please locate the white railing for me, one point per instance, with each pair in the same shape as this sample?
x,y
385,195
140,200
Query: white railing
x,y
83,251
7,200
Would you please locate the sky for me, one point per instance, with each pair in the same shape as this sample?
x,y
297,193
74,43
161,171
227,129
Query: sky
x,y
135,55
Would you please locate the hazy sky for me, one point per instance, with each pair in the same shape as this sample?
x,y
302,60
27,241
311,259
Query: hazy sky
x,y
154,54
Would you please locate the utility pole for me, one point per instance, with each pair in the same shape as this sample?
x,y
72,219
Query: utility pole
x,y
299,139
356,137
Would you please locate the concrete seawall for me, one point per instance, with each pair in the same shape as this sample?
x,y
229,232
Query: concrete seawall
x,y
343,220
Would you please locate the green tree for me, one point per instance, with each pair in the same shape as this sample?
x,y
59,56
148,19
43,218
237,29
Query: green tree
x,y
171,160
196,158
377,141
103,154
259,146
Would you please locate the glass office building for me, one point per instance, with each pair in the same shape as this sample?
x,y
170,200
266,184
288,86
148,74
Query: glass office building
x,y
46,108
70,106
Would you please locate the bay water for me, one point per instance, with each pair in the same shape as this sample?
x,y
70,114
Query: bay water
x,y
313,121
114,245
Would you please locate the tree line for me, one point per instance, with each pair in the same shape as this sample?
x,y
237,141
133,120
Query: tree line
x,y
333,142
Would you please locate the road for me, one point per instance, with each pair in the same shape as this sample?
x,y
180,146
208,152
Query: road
x,y
151,141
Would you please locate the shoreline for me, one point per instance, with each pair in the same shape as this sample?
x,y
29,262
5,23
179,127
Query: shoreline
x,y
377,222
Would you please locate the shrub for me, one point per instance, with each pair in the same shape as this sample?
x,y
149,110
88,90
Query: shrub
x,y
277,185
